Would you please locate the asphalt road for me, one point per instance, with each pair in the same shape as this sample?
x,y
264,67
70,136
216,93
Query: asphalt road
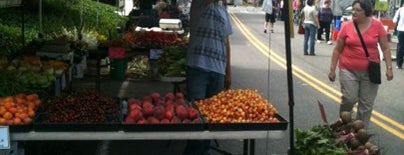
x,y
254,68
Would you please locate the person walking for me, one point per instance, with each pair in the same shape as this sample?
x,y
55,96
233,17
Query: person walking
x,y
268,6
325,17
398,19
208,58
350,56
310,24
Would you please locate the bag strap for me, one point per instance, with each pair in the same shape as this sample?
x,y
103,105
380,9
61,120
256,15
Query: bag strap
x,y
362,42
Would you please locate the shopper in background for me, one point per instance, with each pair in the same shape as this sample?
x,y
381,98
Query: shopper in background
x,y
325,18
399,20
208,67
350,56
310,24
268,6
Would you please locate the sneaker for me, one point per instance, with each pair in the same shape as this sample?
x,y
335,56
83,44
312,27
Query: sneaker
x,y
265,30
399,67
319,41
329,42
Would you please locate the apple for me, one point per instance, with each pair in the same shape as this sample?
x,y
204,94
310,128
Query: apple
x,y
192,113
181,112
159,112
135,114
179,95
169,96
129,120
168,114
153,120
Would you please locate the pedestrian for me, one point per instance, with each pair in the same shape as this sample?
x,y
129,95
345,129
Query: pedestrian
x,y
399,20
208,65
352,62
268,6
310,24
325,18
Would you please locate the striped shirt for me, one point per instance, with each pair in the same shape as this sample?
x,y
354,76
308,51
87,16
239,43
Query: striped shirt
x,y
207,46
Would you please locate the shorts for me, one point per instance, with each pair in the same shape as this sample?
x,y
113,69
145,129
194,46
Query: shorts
x,y
269,17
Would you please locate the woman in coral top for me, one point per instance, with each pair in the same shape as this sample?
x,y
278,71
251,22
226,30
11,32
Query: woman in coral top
x,y
353,63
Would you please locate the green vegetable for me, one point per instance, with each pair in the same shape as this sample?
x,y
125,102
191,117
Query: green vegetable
x,y
319,139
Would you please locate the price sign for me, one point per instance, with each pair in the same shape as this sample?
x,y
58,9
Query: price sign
x,y
4,137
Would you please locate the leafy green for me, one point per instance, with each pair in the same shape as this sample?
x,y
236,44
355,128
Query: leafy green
x,y
319,139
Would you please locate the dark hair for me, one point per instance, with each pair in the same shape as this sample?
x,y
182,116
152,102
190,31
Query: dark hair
x,y
365,5
310,2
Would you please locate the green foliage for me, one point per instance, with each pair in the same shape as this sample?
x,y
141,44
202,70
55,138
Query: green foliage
x,y
319,139
56,14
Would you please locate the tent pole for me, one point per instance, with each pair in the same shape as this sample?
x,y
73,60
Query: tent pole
x,y
287,14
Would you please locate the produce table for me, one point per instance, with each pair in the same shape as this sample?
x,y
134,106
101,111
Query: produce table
x,y
167,135
248,136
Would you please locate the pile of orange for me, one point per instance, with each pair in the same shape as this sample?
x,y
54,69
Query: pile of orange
x,y
18,109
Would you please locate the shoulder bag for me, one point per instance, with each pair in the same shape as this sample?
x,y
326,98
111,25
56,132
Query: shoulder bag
x,y
373,67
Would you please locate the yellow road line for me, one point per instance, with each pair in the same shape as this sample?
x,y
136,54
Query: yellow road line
x,y
327,90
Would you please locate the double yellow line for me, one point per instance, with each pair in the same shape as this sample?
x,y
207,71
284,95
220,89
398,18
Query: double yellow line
x,y
381,120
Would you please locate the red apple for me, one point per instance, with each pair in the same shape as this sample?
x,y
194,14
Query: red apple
x,y
165,121
129,120
179,95
192,113
135,114
159,112
133,101
153,120
181,112
197,121
175,120
169,96
169,114
142,121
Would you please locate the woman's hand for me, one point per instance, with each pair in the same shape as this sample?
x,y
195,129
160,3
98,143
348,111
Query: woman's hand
x,y
331,76
389,74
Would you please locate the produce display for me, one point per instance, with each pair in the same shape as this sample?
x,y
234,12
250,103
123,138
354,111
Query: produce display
x,y
86,107
19,109
32,72
172,62
157,109
237,106
157,39
346,136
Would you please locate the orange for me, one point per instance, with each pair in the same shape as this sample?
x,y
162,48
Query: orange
x,y
27,120
31,113
22,116
3,121
17,121
37,102
2,110
13,110
8,115
32,97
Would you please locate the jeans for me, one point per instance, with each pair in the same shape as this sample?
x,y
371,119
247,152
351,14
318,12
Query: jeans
x,y
400,49
201,84
324,26
310,32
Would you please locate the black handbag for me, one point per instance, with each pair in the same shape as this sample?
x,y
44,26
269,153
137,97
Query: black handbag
x,y
373,67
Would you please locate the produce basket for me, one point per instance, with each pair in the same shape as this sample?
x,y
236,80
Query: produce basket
x,y
281,125
160,119
41,124
21,128
163,127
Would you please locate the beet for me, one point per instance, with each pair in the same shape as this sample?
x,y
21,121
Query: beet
x,y
346,117
362,136
357,125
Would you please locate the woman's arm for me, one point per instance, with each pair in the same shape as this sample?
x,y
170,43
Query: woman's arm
x,y
384,45
335,57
